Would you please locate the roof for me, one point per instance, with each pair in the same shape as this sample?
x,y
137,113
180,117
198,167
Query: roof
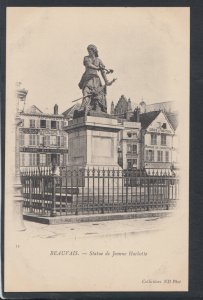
x,y
147,118
173,119
70,111
33,110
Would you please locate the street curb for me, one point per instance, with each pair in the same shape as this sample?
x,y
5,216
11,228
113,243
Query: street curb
x,y
96,217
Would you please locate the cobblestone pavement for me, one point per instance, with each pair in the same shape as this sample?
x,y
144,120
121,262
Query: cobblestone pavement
x,y
118,228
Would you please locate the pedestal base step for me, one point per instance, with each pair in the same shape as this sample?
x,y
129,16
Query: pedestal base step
x,y
96,217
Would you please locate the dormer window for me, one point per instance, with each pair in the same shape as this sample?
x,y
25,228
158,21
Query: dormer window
x,y
164,126
129,134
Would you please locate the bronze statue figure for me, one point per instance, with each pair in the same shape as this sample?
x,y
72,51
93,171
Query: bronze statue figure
x,y
94,93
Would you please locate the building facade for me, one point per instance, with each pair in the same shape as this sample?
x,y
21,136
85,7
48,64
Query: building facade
x,y
129,145
156,130
157,136
42,140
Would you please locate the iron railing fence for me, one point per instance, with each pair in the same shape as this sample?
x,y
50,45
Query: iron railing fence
x,y
91,191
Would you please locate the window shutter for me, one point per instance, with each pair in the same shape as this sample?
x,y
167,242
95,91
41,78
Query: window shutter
x,y
58,159
65,142
58,141
48,124
38,123
30,159
47,139
38,159
48,159
146,153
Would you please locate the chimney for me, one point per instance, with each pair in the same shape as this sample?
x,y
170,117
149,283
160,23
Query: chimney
x,y
56,108
137,114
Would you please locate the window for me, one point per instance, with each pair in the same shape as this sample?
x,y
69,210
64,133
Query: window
x,y
134,163
62,141
134,149
42,123
129,134
22,159
41,140
149,155
32,159
38,159
53,140
32,140
47,140
54,125
129,162
164,126
32,123
42,159
163,139
160,156
167,156
65,142
21,139
129,148
153,139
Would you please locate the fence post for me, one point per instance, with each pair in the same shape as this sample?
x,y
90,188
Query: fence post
x,y
42,193
103,173
30,194
77,185
148,190
127,179
53,209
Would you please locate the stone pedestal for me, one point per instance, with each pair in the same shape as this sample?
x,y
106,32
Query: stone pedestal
x,y
92,150
92,142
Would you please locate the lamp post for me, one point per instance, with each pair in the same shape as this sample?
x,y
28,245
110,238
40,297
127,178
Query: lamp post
x,y
18,197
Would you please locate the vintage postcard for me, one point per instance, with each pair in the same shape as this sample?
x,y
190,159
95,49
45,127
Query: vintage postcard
x,y
97,149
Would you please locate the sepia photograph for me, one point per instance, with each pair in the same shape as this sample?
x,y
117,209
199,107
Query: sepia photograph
x,y
97,149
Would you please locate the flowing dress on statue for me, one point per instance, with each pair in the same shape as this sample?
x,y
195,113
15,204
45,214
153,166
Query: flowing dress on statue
x,y
90,84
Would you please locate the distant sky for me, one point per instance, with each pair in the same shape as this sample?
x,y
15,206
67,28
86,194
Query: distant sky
x,y
147,47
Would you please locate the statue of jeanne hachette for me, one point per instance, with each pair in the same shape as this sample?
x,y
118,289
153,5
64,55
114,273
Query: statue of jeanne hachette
x,y
94,93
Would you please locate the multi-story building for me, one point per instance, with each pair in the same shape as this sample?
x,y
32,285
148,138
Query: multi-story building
x,y
42,139
157,136
156,131
129,145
